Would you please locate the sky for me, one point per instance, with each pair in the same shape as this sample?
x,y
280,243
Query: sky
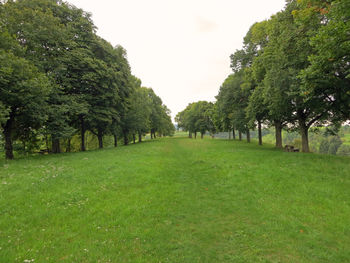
x,y
179,48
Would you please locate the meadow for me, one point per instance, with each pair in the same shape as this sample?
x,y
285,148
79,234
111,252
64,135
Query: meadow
x,y
176,200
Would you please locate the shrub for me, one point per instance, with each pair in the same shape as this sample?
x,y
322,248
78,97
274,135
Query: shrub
x,y
344,150
334,143
324,146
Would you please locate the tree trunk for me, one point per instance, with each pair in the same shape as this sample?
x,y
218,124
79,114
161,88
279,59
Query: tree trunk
x,y
8,138
229,135
248,135
151,135
202,135
68,149
115,140
82,123
134,138
240,135
278,132
260,133
56,147
195,135
140,136
304,132
100,138
190,135
233,133
126,139
154,135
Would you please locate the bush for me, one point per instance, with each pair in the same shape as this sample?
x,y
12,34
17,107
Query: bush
x,y
334,143
324,146
344,150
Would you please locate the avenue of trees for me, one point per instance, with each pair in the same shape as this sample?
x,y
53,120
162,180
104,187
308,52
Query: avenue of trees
x,y
292,73
58,79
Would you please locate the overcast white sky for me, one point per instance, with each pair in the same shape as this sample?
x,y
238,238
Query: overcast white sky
x,y
180,48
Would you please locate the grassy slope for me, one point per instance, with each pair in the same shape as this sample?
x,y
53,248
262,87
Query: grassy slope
x,y
176,200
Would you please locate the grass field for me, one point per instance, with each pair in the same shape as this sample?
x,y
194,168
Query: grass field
x,y
176,200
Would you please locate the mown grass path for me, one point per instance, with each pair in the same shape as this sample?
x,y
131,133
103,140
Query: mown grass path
x,y
176,200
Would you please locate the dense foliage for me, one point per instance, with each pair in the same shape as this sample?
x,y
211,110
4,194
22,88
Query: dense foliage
x,y
59,80
197,117
292,73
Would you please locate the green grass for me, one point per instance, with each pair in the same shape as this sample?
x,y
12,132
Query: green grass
x,y
176,200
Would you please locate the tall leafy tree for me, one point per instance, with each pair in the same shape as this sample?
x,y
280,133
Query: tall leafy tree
x,y
140,111
328,74
288,50
55,36
242,62
23,92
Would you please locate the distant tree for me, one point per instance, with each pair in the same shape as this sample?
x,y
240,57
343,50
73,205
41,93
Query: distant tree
x,y
197,117
224,107
167,128
156,113
125,83
140,111
185,121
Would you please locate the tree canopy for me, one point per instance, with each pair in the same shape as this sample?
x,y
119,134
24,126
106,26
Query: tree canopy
x,y
292,73
59,80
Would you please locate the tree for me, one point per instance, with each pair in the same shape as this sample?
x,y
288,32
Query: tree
x,y
55,38
224,107
23,91
242,62
4,112
233,100
156,109
197,117
140,111
167,127
103,97
183,120
89,81
285,56
329,69
257,110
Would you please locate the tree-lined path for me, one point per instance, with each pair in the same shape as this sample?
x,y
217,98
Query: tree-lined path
x,y
176,200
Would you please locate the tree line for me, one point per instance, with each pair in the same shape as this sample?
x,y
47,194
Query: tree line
x,y
292,73
59,79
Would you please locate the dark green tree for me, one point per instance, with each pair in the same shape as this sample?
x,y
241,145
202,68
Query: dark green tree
x,y
23,93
